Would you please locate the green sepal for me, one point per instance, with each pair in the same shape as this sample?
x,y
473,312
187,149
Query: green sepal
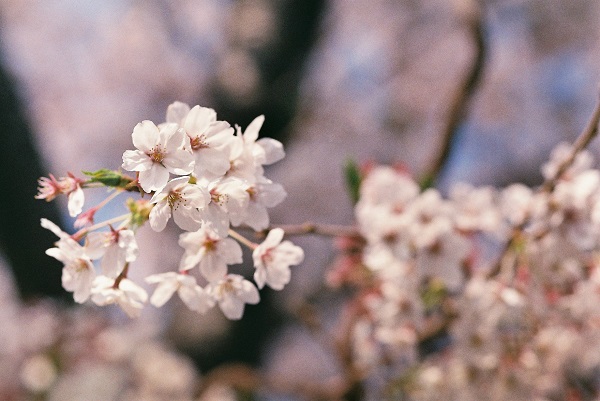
x,y
353,180
109,178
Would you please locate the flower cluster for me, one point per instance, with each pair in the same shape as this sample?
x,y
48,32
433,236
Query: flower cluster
x,y
205,175
488,294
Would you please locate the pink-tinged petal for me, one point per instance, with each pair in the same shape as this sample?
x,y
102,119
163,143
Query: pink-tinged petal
x,y
136,160
219,135
48,225
256,217
232,307
271,194
292,254
197,196
57,254
212,267
187,219
75,203
154,179
231,251
251,132
272,150
174,137
278,277
273,239
112,264
176,112
189,261
180,162
128,244
260,277
198,120
145,136
249,293
196,298
213,160
168,138
163,292
95,244
159,215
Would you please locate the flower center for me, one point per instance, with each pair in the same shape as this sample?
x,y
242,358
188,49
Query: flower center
x,y
157,154
199,142
174,199
219,199
252,192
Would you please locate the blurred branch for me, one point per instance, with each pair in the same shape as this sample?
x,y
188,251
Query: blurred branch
x,y
588,134
583,140
329,230
459,102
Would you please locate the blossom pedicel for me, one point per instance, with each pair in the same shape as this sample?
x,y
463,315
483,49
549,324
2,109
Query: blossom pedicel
x,y
209,177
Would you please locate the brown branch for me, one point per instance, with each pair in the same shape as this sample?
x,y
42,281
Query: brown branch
x,y
588,134
328,230
583,140
460,100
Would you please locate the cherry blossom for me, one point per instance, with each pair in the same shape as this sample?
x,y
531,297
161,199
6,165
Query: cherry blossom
x,y
232,293
263,194
160,151
123,292
273,258
208,137
115,247
185,285
211,252
182,200
49,188
78,271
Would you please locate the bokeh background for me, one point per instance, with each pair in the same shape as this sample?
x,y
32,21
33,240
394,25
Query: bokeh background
x,y
368,80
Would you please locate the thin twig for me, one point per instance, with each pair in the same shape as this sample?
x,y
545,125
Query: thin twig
x,y
460,100
583,140
329,230
588,134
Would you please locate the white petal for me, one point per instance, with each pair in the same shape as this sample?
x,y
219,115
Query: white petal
x,y
199,119
251,132
164,292
154,179
196,298
135,160
232,307
176,112
145,136
273,150
159,215
212,267
76,200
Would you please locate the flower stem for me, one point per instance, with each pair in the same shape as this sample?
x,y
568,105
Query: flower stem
x,y
242,240
83,231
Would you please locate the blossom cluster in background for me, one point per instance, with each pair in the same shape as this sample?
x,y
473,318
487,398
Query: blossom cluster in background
x,y
205,175
488,294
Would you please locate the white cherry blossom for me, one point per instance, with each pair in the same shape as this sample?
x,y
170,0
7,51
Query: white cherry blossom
x,y
78,271
160,151
128,295
115,247
211,252
263,194
232,293
186,287
208,137
248,153
273,258
182,200
228,196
